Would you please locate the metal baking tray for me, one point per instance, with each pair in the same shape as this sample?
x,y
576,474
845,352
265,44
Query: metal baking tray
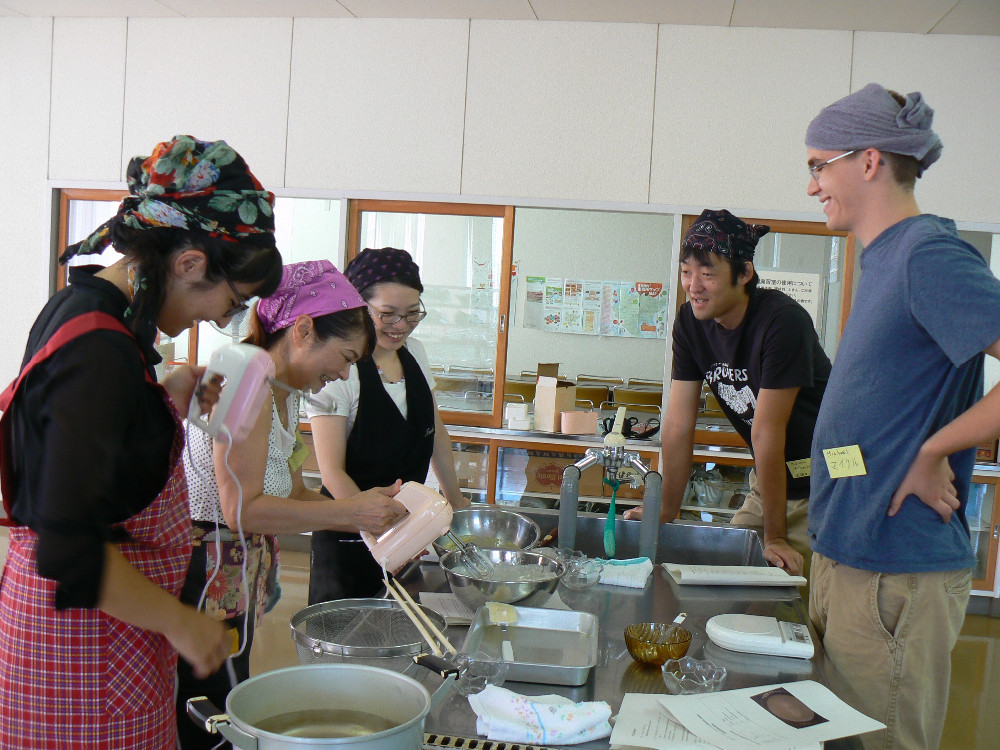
x,y
551,646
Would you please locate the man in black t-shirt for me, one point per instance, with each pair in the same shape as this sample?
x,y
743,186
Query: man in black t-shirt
x,y
760,354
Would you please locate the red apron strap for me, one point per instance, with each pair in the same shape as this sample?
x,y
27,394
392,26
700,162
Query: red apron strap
x,y
68,331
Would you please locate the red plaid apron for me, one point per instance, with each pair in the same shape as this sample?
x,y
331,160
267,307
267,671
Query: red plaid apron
x,y
77,678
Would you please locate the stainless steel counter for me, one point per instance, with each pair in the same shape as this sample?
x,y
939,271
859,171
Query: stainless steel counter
x,y
616,673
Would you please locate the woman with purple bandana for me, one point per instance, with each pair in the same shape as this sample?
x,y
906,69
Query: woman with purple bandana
x,y
314,327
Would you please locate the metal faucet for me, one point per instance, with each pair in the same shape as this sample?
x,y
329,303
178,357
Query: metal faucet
x,y
612,457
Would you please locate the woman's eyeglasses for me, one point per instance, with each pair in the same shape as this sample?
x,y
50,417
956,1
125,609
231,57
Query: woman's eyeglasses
x,y
241,302
390,318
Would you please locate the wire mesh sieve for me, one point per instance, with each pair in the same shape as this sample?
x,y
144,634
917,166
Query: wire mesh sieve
x,y
375,632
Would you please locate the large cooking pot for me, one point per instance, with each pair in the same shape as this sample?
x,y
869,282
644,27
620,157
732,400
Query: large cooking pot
x,y
315,706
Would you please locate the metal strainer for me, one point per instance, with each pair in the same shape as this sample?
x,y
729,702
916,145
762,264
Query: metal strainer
x,y
375,632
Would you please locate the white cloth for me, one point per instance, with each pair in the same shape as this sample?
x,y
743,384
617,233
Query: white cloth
x,y
538,719
199,464
632,573
340,398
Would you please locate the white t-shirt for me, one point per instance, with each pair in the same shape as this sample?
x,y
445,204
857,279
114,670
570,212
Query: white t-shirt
x,y
340,398
203,487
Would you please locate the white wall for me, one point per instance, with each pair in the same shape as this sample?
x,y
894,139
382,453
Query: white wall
x,y
25,208
615,113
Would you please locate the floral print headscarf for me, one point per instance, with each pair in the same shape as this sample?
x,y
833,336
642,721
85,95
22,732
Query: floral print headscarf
x,y
201,186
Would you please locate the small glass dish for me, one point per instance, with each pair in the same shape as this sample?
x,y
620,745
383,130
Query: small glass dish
x,y
686,676
582,574
654,642
477,671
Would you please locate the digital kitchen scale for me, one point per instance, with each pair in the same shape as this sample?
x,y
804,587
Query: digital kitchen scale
x,y
756,634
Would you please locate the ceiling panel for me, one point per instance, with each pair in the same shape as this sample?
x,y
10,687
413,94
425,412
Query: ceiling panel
x,y
971,17
258,8
498,10
913,16
700,12
89,8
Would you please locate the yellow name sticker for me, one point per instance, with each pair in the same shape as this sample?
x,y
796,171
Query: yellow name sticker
x,y
845,461
800,468
299,453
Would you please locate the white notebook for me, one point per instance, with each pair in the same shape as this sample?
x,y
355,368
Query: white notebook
x,y
731,575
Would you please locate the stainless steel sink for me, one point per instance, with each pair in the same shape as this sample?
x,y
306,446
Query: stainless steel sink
x,y
686,542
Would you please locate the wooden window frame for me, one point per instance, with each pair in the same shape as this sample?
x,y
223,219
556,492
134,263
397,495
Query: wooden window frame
x,y
505,212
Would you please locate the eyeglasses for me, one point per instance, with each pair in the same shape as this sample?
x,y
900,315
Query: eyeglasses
x,y
815,169
390,318
241,303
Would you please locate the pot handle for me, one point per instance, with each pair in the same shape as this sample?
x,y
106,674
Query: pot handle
x,y
442,666
207,715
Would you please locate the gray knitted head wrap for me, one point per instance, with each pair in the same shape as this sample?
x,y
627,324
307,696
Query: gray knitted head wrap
x,y
872,118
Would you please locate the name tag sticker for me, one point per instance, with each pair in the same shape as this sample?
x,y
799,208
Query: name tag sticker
x,y
845,461
299,453
800,468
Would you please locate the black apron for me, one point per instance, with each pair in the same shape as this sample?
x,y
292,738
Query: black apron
x,y
381,448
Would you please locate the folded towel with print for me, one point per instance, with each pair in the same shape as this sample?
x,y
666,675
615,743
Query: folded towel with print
x,y
504,716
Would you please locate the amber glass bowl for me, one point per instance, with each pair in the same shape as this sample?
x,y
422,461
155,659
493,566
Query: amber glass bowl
x,y
654,642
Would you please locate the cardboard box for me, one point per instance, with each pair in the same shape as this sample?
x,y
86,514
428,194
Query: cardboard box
x,y
987,452
552,397
579,423
543,473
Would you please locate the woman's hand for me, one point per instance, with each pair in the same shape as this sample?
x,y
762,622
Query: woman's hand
x,y
374,510
201,641
184,381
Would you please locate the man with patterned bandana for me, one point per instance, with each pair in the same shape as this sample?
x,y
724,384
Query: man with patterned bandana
x,y
759,353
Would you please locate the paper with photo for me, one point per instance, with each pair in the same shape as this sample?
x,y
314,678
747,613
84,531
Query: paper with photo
x,y
778,717
644,721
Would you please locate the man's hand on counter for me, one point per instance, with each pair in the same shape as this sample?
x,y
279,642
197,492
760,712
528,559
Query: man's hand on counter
x,y
780,553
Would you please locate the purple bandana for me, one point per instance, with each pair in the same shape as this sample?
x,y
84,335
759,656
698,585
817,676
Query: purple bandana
x,y
724,234
315,288
385,264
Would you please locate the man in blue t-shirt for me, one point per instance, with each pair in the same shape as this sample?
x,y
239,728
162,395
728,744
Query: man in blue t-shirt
x,y
759,352
891,553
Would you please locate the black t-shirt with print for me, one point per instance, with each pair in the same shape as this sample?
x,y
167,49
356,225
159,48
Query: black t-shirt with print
x,y
775,346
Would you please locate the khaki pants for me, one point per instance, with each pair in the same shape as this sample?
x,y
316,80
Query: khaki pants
x,y
751,513
890,635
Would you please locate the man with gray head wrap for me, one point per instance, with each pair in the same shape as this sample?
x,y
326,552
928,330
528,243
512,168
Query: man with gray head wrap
x,y
892,559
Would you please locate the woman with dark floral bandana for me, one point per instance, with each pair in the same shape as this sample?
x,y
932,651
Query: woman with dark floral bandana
x,y
93,483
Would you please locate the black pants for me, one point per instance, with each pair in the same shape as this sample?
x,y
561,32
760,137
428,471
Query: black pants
x,y
341,567
217,685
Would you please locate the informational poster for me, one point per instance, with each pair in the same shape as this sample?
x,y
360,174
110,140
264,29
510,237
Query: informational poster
x,y
534,301
801,287
608,308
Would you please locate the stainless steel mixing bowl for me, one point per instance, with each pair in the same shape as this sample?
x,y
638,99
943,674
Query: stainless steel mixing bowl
x,y
490,528
534,578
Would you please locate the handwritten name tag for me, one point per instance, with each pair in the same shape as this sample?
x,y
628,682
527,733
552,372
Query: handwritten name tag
x,y
800,468
845,461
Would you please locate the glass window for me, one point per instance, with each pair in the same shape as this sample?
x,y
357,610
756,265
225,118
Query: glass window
x,y
591,292
305,229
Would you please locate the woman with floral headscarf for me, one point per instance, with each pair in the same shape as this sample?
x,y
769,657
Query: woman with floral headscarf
x,y
93,484
314,327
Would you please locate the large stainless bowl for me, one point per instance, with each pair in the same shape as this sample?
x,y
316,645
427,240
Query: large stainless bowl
x,y
491,528
541,575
